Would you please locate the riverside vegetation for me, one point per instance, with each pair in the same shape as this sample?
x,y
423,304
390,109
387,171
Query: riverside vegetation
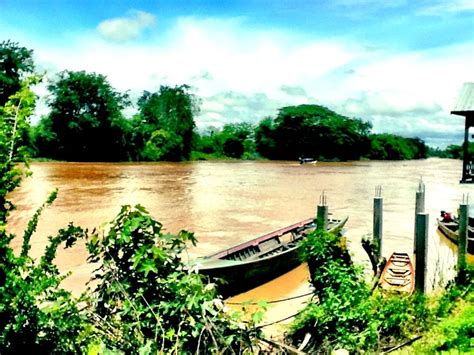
x,y
144,299
86,123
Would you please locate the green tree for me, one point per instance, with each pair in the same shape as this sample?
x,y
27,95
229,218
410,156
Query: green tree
x,y
234,140
85,122
265,138
392,147
233,148
455,151
15,64
312,131
207,142
171,111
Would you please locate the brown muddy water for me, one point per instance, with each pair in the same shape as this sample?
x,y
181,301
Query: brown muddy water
x,y
225,203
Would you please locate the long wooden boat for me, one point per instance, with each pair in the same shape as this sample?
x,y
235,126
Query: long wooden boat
x,y
398,274
451,230
252,263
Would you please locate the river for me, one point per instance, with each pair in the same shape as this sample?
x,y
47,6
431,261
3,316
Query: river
x,y
227,202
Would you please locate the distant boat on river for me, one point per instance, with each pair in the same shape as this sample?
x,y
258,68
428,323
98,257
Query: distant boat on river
x,y
252,263
307,160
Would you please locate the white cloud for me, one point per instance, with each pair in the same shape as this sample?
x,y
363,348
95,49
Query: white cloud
x,y
122,29
442,7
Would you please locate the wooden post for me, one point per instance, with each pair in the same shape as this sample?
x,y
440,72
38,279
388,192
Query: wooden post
x,y
322,216
378,220
462,239
419,207
421,251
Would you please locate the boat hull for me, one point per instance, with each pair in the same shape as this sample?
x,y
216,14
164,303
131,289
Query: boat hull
x,y
243,276
451,231
236,276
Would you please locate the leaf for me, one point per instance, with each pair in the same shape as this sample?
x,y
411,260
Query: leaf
x,y
148,266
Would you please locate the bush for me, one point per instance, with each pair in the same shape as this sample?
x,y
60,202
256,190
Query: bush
x,y
341,315
146,296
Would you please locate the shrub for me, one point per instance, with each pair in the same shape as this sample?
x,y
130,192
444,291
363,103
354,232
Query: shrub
x,y
146,295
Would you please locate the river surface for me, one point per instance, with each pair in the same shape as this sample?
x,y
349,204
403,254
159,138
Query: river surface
x,y
225,203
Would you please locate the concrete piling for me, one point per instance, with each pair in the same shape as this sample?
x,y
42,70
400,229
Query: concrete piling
x,y
421,241
323,212
462,239
419,206
378,220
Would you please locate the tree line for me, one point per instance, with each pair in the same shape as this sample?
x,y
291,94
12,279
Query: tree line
x,y
86,123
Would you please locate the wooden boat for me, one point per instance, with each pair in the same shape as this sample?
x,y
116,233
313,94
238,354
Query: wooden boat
x,y
451,230
398,274
252,263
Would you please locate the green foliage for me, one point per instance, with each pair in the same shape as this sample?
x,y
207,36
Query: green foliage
x,y
340,316
344,314
16,63
458,333
169,111
453,151
400,316
13,125
392,147
451,335
233,148
162,145
85,122
234,140
36,314
265,138
312,131
146,295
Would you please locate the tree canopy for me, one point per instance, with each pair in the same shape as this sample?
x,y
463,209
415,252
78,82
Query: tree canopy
x,y
312,131
165,123
15,63
85,122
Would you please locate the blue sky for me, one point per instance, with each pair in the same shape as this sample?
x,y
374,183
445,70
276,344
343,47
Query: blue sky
x,y
399,64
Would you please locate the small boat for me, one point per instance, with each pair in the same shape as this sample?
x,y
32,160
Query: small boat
x,y
398,274
307,161
252,263
451,230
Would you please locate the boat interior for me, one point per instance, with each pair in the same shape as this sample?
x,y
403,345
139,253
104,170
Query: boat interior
x,y
266,248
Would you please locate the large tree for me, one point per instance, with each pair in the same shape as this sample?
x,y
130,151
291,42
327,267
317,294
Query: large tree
x,y
15,63
85,122
314,131
164,126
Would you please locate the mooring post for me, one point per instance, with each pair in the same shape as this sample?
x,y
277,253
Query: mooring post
x,y
462,241
322,216
421,248
378,220
419,207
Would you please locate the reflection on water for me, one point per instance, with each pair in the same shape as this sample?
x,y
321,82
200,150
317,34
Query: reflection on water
x,y
225,203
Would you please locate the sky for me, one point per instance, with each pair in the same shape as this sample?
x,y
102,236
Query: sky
x,y
398,64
